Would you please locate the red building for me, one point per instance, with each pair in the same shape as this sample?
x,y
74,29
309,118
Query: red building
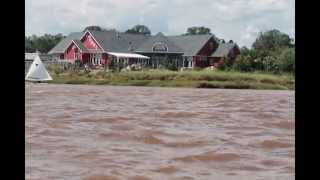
x,y
98,47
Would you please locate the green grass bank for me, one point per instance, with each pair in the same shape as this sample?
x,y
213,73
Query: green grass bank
x,y
165,78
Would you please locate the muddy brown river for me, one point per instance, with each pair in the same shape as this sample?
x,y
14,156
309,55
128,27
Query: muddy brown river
x,y
77,132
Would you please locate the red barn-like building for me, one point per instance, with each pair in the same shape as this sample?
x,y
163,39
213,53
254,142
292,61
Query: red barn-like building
x,y
98,47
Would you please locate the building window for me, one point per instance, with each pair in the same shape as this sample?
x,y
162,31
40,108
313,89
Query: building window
x,y
159,47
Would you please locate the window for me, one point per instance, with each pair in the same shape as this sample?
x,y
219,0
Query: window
x,y
77,56
159,47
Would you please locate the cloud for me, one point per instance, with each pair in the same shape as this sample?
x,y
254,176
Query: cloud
x,y
239,20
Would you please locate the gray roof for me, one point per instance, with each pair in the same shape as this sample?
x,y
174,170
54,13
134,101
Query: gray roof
x,y
109,40
112,41
118,42
62,45
223,49
147,45
190,44
80,45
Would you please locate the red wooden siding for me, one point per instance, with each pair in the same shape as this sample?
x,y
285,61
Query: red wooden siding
x,y
216,61
200,63
208,48
71,50
89,42
85,57
233,55
104,59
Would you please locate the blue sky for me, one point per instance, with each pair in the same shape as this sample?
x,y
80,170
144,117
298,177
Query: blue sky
x,y
239,20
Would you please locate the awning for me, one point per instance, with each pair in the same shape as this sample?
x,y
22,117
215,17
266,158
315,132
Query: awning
x,y
128,55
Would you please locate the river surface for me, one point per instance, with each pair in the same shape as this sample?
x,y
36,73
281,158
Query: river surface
x,y
87,132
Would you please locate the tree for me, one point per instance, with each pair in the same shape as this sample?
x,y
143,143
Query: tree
x,y
197,30
28,45
243,63
139,29
244,51
286,62
42,43
93,28
272,39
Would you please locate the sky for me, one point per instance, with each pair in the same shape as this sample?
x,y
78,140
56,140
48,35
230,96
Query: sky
x,y
239,20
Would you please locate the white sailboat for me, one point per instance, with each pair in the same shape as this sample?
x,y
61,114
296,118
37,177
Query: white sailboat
x,y
37,71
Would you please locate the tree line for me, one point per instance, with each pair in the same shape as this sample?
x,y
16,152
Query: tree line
x,y
43,43
272,51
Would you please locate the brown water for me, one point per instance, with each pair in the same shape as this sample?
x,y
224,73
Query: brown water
x,y
112,133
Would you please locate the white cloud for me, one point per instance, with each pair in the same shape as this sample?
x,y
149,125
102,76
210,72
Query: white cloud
x,y
249,35
229,19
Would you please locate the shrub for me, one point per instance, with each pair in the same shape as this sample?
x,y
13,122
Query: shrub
x,y
226,64
56,69
287,60
171,67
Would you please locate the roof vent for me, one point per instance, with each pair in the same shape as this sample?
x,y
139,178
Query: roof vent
x,y
130,46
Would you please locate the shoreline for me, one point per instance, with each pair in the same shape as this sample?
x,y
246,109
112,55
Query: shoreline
x,y
173,87
191,79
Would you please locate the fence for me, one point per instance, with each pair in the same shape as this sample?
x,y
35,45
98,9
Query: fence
x,y
47,63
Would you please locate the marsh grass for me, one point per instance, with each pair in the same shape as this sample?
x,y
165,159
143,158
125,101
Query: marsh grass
x,y
166,78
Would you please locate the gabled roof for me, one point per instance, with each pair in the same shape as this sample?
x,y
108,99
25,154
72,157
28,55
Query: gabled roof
x,y
62,45
118,42
147,46
79,44
223,49
111,41
190,44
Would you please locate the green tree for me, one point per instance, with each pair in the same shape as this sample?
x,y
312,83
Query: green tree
x,y
272,51
244,50
243,63
286,61
42,43
139,29
272,39
93,28
29,47
198,30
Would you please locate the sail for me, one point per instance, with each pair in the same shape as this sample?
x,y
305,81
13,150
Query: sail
x,y
37,71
